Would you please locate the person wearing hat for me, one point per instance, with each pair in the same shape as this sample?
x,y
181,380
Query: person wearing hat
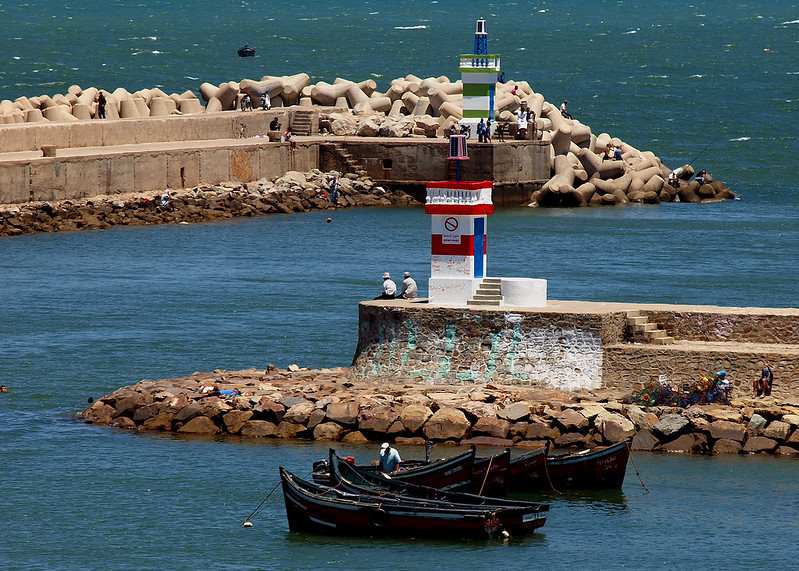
x,y
389,288
389,459
409,289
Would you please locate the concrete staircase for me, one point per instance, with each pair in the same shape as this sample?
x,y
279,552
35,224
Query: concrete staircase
x,y
489,293
302,123
642,331
350,163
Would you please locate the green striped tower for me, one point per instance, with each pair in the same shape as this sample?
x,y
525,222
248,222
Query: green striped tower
x,y
479,73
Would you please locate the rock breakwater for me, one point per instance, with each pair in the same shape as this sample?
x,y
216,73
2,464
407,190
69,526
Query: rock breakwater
x,y
292,192
329,405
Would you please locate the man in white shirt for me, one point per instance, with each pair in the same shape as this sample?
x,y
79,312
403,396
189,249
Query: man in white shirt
x,y
389,288
409,289
389,459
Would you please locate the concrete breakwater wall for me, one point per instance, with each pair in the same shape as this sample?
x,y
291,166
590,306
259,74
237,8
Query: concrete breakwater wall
x,y
292,192
574,346
582,170
329,405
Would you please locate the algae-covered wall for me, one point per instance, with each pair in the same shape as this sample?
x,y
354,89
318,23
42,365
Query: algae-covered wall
x,y
573,351
466,345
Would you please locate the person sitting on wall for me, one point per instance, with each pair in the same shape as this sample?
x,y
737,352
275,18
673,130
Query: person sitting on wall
x,y
409,289
389,288
290,139
563,111
608,156
274,125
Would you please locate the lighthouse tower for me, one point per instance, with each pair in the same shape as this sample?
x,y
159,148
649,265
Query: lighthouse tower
x,y
479,73
459,213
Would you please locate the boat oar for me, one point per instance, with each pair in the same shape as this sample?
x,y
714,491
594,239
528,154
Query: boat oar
x,y
636,467
488,471
247,522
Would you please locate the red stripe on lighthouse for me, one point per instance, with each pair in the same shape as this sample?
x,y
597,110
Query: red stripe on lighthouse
x,y
464,248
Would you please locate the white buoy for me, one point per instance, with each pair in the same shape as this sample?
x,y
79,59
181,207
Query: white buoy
x,y
247,524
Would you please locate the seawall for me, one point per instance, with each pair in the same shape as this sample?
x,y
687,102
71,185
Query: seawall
x,y
575,346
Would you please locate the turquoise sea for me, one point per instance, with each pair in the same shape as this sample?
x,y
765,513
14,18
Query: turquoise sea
x,y
84,313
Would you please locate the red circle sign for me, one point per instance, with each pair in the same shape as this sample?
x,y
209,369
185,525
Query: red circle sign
x,y
451,224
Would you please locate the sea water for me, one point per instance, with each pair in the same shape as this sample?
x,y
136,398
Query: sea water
x,y
85,313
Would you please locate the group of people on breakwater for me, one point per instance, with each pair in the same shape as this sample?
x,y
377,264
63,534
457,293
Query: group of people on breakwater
x,y
293,192
409,288
329,405
582,173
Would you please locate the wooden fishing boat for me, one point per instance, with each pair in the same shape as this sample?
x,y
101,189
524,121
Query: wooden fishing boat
x,y
527,471
490,475
313,507
602,467
448,474
348,477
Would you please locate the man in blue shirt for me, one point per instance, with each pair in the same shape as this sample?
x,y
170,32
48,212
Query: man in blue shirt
x,y
389,459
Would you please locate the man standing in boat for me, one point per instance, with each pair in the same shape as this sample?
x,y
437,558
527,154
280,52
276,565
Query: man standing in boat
x,y
389,459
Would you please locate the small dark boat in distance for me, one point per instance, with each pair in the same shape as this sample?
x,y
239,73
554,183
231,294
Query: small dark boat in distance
x,y
246,51
313,507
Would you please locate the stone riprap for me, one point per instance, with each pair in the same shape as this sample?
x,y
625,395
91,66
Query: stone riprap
x,y
328,404
292,192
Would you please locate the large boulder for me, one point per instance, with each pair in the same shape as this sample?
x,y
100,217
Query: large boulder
x,y
377,420
413,417
614,427
726,446
299,413
571,420
759,444
778,430
687,443
447,424
726,430
258,428
671,425
642,420
235,419
200,425
328,431
644,440
756,424
345,413
496,427
516,411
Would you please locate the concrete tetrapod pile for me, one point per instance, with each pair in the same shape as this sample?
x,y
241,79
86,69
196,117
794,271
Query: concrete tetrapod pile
x,y
327,404
83,104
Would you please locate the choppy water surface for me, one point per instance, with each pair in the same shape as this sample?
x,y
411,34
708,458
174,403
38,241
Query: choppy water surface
x,y
85,313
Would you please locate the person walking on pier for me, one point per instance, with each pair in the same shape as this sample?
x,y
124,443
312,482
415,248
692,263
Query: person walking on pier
x,y
389,288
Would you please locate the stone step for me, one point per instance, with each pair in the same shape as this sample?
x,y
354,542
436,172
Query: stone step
x,y
492,280
490,287
486,302
663,340
486,297
637,319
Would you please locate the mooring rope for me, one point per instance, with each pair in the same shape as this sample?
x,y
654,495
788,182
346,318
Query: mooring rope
x,y
254,512
636,467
